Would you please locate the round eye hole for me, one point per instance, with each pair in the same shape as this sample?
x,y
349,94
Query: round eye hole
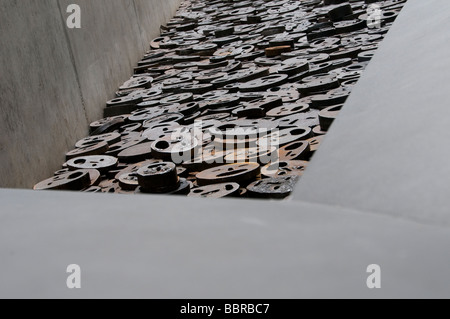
x,y
75,175
298,131
162,145
80,161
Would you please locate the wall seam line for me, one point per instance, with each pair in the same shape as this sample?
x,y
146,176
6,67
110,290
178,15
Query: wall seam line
x,y
72,59
141,37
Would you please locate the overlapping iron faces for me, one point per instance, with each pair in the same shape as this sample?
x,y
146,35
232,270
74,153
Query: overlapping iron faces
x,y
232,100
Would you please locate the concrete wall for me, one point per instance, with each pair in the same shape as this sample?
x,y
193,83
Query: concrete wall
x,y
55,81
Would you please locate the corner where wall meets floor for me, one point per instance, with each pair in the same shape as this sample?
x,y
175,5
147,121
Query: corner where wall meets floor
x,y
56,80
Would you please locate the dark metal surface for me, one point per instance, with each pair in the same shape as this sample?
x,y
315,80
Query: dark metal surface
x,y
224,80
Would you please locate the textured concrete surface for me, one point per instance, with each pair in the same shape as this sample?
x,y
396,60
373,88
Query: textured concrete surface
x,y
41,107
55,80
152,247
388,151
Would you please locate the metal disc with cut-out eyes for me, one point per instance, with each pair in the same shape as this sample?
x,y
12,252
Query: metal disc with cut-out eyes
x,y
110,139
208,76
288,109
182,78
333,97
183,189
98,124
267,103
123,145
317,131
264,83
124,100
77,180
273,188
137,153
237,173
93,189
164,118
100,163
314,143
158,177
217,88
287,93
129,181
112,187
185,109
176,148
216,191
284,168
299,150
210,157
94,149
128,128
94,175
285,136
133,168
294,68
223,101
178,98
197,88
145,114
138,82
252,155
242,75
305,119
328,115
163,130
317,84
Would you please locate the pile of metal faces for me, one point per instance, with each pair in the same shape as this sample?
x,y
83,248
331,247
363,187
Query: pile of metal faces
x,y
232,100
